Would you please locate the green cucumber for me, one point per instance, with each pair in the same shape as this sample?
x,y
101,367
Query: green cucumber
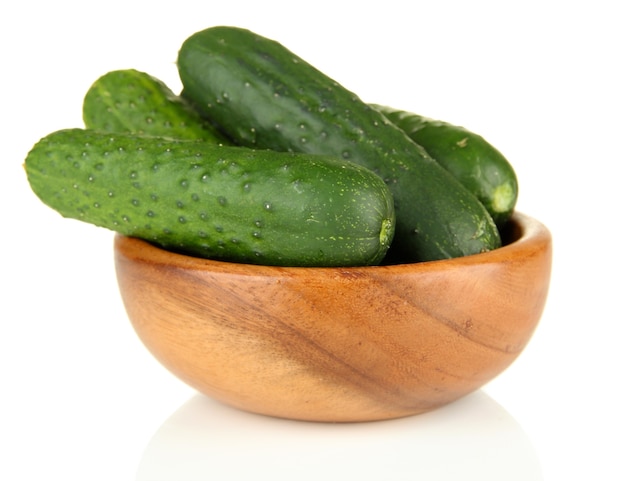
x,y
223,202
136,102
477,164
264,96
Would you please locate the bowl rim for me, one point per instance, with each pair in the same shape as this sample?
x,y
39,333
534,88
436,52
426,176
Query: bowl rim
x,y
526,235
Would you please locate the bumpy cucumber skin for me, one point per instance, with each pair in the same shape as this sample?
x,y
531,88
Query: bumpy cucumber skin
x,y
262,95
221,202
477,164
135,102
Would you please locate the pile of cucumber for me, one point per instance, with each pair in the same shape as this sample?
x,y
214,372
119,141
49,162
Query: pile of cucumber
x,y
264,159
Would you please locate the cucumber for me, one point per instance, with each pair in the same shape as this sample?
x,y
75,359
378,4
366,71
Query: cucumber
x,y
221,202
477,164
264,96
136,102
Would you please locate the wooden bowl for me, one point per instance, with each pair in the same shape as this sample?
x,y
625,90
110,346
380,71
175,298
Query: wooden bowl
x,y
338,344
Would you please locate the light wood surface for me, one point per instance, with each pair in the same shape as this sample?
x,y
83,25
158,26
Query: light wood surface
x,y
333,344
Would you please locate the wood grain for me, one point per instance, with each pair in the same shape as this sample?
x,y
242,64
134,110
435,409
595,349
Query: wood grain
x,y
333,344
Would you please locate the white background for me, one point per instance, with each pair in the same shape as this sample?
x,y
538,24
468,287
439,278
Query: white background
x,y
80,397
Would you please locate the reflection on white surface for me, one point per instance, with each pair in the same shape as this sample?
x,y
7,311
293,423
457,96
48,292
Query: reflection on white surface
x,y
474,438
